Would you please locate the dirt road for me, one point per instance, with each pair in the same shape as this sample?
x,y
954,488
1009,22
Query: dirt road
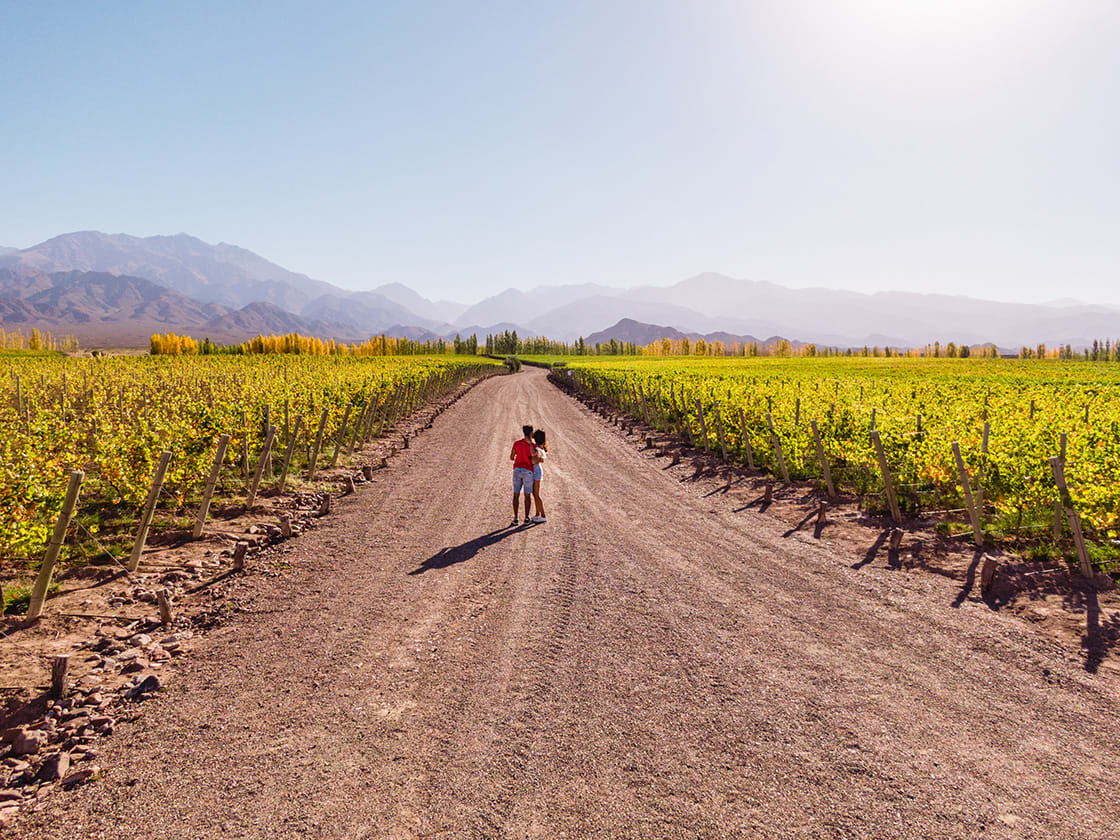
x,y
650,663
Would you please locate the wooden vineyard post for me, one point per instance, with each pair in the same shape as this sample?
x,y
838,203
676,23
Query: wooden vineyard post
x,y
719,434
645,407
164,604
703,425
59,666
746,443
973,516
1058,501
149,512
825,468
980,472
211,483
244,445
318,443
1058,467
268,425
288,454
777,444
50,557
341,433
261,461
365,411
892,500
287,414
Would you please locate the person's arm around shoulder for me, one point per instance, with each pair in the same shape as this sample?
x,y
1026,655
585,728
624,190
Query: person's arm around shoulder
x,y
513,452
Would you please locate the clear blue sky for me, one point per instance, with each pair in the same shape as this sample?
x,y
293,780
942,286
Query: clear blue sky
x,y
966,146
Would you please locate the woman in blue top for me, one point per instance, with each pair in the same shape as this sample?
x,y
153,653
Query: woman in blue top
x,y
540,452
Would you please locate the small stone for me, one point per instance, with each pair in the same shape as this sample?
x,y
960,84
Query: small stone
x,y
28,742
141,639
150,684
138,664
9,796
81,776
54,767
158,654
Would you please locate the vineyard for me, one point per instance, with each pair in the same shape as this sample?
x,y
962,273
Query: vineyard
x,y
113,418
840,421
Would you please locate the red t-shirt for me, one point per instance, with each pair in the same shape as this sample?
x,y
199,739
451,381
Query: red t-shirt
x,y
522,455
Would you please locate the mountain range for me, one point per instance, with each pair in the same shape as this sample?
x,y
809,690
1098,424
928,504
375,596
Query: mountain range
x,y
118,289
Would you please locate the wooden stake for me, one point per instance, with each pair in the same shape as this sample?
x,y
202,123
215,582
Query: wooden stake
x,y
822,509
1058,467
973,516
980,473
1057,528
211,483
703,425
746,443
244,445
59,666
266,451
164,604
149,512
50,557
719,434
288,454
318,444
825,468
341,434
892,500
777,444
239,551
268,425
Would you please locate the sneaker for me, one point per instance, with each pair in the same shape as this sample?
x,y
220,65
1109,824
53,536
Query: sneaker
x,y
514,524
538,519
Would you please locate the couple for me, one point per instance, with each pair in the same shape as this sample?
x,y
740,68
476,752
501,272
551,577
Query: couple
x,y
527,455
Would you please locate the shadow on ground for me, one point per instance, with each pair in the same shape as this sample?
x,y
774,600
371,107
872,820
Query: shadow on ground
x,y
464,551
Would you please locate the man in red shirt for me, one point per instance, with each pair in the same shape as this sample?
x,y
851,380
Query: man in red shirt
x,y
522,457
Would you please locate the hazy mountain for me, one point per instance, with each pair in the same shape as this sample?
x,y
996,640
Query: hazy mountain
x,y
232,281
519,307
634,332
219,273
363,313
68,299
6,250
900,318
439,311
589,314
262,318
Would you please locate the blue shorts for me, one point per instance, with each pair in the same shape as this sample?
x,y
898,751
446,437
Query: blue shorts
x,y
538,473
522,480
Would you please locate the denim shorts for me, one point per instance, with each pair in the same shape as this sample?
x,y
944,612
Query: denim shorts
x,y
538,473
522,480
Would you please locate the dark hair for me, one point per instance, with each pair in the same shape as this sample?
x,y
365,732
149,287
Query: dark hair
x,y
527,431
538,439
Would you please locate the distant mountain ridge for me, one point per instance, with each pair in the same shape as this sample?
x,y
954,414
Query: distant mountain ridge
x,y
64,281
629,331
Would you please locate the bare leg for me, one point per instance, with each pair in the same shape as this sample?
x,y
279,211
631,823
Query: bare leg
x,y
537,498
515,505
528,499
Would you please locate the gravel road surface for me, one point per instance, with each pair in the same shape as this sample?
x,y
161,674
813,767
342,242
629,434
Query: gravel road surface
x,y
651,663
